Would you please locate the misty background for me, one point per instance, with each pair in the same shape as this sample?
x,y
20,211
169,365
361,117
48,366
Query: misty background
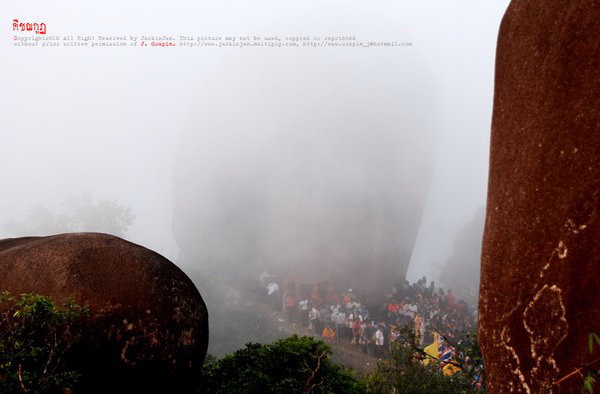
x,y
121,127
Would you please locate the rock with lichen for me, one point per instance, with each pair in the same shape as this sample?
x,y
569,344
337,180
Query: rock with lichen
x,y
541,256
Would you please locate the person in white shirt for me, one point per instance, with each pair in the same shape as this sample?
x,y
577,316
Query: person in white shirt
x,y
340,324
303,304
410,310
379,342
313,317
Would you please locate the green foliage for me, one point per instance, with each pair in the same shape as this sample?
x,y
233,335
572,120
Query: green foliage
x,y
291,365
470,358
404,373
590,380
593,338
209,359
35,338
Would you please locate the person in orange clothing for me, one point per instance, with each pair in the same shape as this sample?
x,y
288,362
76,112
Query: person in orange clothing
x,y
328,333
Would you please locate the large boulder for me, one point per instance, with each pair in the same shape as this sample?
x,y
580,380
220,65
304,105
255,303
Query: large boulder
x,y
148,325
541,254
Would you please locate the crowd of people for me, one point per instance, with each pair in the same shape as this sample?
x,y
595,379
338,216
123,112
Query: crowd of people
x,y
344,315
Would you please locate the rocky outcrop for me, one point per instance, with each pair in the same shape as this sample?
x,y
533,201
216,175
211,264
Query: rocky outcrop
x,y
323,174
148,325
460,273
541,254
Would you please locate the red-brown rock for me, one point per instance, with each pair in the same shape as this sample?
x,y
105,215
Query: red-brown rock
x,y
540,278
148,323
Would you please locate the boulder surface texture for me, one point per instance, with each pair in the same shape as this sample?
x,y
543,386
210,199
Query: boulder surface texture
x,y
540,280
148,324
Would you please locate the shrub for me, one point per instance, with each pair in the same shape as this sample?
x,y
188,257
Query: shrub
x,y
291,365
35,340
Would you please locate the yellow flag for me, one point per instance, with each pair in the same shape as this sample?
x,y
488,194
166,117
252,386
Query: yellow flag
x,y
432,350
450,370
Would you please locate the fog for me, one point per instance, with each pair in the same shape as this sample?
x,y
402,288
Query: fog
x,y
315,152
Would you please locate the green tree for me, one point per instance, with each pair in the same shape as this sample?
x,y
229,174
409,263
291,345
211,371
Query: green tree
x,y
36,337
79,213
291,365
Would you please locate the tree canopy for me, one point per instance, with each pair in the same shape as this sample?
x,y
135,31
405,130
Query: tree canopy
x,y
79,213
291,365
